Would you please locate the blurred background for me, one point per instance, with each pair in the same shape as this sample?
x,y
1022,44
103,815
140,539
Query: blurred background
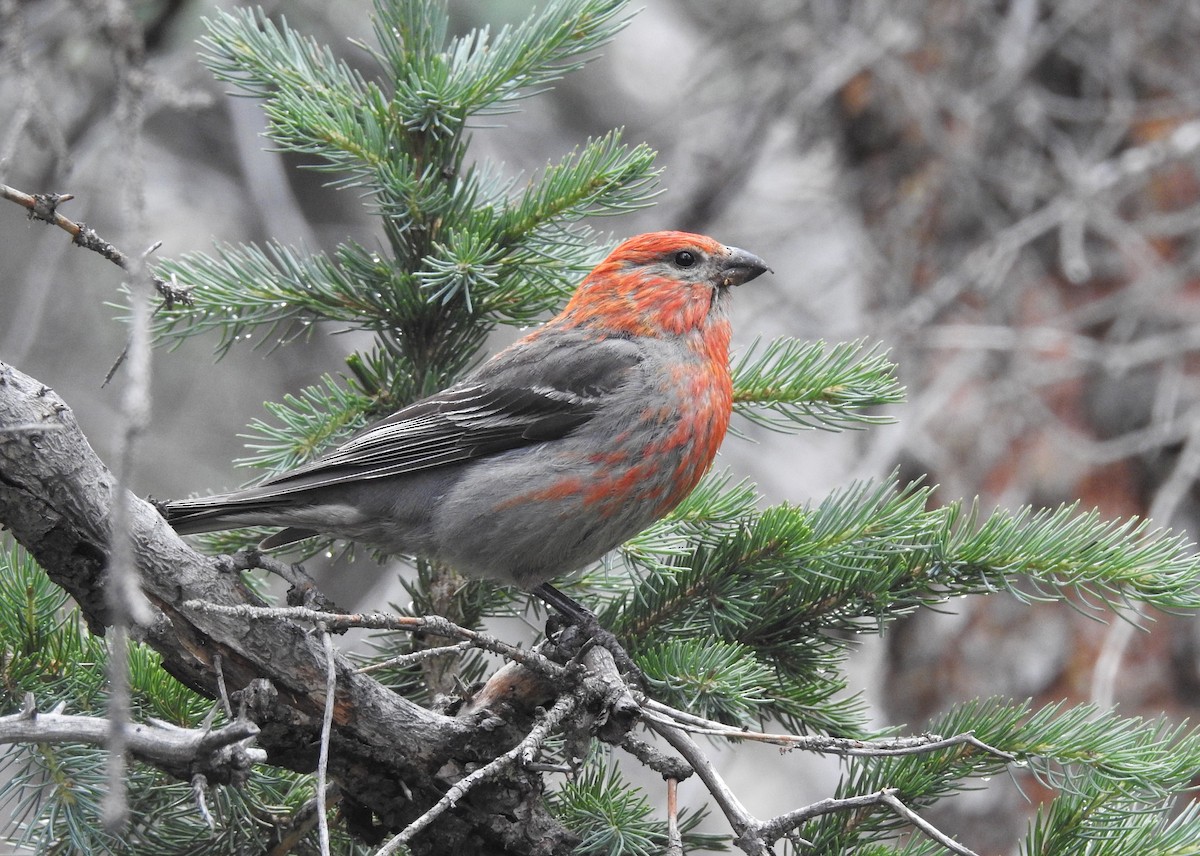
x,y
1006,195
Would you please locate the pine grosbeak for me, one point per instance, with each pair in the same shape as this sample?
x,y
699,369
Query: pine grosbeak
x,y
554,451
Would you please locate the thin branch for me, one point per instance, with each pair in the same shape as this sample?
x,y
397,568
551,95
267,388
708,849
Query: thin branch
x,y
199,787
674,838
115,806
668,766
303,589
523,753
326,728
44,207
433,624
739,818
777,827
918,745
401,661
889,798
302,822
755,836
222,690
159,743
126,604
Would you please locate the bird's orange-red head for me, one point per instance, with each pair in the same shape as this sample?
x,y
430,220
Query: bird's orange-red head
x,y
661,284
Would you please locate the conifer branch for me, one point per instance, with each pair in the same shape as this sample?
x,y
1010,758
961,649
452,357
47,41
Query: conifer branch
x,y
789,384
737,613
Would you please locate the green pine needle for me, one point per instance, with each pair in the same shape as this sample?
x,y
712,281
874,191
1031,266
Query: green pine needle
x,y
1114,775
789,384
615,818
736,612
797,584
718,680
304,426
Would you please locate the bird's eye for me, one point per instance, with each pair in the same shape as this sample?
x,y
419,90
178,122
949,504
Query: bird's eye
x,y
685,259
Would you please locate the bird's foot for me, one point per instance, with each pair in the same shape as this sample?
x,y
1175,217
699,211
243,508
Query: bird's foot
x,y
578,629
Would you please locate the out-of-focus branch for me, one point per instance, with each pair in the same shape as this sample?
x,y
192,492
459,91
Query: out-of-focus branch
x,y
44,207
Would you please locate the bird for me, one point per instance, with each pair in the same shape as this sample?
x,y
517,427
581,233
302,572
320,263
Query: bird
x,y
551,453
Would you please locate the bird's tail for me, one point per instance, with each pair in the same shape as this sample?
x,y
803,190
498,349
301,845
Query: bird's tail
x,y
229,511
207,514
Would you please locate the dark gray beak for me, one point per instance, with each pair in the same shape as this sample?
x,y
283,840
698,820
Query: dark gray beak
x,y
741,267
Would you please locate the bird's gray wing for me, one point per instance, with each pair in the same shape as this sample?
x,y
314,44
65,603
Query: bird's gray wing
x,y
535,393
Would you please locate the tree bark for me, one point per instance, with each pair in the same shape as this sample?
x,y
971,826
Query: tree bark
x,y
388,755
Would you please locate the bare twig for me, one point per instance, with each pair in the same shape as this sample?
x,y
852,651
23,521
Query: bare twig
x,y
115,806
920,744
125,602
302,822
739,818
668,766
44,207
755,836
158,743
127,605
138,341
382,621
888,797
222,690
401,661
326,728
199,787
674,839
523,753
777,827
303,591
